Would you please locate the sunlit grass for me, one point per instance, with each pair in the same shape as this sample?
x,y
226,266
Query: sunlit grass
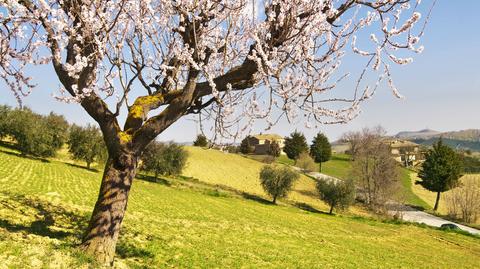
x,y
44,206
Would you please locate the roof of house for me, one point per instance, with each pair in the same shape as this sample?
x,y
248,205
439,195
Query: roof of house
x,y
268,137
402,144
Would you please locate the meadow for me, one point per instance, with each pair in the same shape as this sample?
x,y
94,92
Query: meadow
x,y
185,223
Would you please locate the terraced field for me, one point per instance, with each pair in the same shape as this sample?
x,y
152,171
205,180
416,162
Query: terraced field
x,y
183,224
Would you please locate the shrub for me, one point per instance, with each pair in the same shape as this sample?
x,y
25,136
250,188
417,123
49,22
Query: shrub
x,y
277,181
305,162
464,202
336,193
164,159
274,149
268,159
201,141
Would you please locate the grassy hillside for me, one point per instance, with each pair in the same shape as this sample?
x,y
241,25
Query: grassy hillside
x,y
241,173
429,197
338,166
182,224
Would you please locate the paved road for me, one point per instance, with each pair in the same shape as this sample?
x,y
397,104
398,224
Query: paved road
x,y
413,215
410,214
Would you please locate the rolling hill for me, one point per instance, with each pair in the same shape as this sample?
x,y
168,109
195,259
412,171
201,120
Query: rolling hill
x,y
184,223
464,139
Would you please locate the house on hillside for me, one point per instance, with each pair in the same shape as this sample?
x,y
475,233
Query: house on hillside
x,y
261,142
405,152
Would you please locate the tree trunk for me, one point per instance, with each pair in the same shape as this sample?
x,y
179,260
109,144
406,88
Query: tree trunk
x,y
274,199
331,210
436,202
88,165
320,167
102,233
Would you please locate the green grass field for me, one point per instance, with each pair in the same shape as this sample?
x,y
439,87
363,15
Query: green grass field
x,y
185,224
340,166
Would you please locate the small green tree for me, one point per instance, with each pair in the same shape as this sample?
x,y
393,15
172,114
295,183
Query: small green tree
x,y
295,144
277,181
441,170
274,149
336,193
86,144
4,118
201,141
305,162
164,159
320,150
246,147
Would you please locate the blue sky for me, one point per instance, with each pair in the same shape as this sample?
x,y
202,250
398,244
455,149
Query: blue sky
x,y
442,85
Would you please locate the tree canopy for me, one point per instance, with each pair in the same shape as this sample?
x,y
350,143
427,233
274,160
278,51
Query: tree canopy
x,y
441,170
86,144
320,150
277,181
201,141
295,144
164,159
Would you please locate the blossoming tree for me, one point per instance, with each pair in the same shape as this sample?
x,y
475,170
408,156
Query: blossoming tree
x,y
231,61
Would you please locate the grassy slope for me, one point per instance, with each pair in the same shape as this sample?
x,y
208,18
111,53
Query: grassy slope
x,y
43,206
339,166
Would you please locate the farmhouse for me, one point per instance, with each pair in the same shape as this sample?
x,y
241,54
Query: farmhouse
x,y
261,142
405,152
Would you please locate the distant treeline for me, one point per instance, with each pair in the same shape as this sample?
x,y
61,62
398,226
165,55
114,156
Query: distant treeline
x,y
34,134
43,135
471,165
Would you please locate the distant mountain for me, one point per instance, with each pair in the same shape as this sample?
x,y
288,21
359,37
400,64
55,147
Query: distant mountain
x,y
454,143
464,139
463,135
466,135
425,134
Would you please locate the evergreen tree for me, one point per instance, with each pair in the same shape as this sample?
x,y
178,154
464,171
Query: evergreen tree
x,y
441,170
246,147
320,150
201,141
295,144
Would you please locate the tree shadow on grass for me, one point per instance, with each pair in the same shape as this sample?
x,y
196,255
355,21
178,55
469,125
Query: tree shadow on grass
x,y
128,250
158,180
18,154
83,167
256,198
49,220
309,208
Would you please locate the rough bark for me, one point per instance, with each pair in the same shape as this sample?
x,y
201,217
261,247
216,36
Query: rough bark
x,y
103,230
436,202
